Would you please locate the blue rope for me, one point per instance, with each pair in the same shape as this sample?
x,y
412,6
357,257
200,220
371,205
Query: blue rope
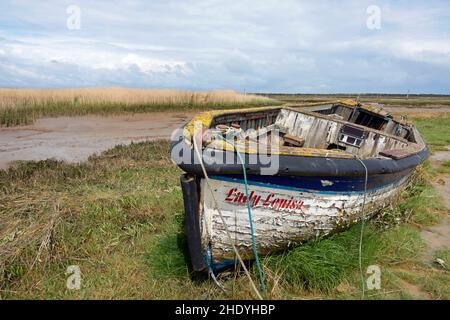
x,y
208,256
249,209
210,265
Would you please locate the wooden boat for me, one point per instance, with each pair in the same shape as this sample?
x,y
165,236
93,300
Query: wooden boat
x,y
331,158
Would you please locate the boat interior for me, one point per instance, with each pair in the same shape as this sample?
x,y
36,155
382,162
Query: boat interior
x,y
337,128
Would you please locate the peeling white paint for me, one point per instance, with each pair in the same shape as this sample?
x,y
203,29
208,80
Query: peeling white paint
x,y
276,228
326,183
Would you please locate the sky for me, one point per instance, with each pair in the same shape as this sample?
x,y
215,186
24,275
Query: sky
x,y
288,46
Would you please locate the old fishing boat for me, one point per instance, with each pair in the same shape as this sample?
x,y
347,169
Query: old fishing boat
x,y
331,165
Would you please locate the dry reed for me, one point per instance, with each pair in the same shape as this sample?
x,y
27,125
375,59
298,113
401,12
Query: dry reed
x,y
21,106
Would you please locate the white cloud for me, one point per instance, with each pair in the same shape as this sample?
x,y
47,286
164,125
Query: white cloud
x,y
295,46
151,65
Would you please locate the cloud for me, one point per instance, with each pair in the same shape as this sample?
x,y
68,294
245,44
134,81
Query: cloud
x,y
277,46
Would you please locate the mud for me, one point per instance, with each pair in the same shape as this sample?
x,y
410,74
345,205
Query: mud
x,y
424,111
74,139
416,292
440,156
438,237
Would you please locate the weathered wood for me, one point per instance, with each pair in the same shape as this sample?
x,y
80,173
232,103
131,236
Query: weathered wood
x,y
192,223
396,154
287,211
294,140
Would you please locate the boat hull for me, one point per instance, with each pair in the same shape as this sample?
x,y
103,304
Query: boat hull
x,y
305,186
284,213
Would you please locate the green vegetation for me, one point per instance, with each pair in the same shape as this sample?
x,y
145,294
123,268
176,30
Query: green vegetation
x,y
443,255
107,214
444,167
324,264
435,130
119,216
438,285
418,203
391,240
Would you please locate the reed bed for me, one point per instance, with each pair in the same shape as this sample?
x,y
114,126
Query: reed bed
x,y
23,106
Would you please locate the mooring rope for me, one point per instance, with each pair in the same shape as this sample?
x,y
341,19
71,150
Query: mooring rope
x,y
249,210
361,235
223,222
251,223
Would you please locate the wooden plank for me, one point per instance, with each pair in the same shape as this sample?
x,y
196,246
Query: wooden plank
x,y
294,140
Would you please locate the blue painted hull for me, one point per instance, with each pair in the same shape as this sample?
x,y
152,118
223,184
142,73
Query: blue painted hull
x,y
324,184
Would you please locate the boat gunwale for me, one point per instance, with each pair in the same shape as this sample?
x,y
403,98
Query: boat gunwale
x,y
298,165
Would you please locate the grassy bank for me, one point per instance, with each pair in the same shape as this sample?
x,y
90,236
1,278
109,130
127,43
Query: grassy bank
x,y
119,217
23,106
436,131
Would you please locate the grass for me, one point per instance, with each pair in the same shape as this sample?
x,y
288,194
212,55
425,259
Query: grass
x,y
119,216
326,263
436,131
389,241
444,167
419,202
23,106
438,285
443,255
108,210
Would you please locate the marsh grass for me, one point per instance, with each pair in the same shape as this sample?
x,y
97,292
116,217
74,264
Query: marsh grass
x,y
438,285
167,257
444,255
324,264
436,131
119,216
419,203
390,239
109,209
444,167
23,106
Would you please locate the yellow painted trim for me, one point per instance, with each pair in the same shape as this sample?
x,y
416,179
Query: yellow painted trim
x,y
305,152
